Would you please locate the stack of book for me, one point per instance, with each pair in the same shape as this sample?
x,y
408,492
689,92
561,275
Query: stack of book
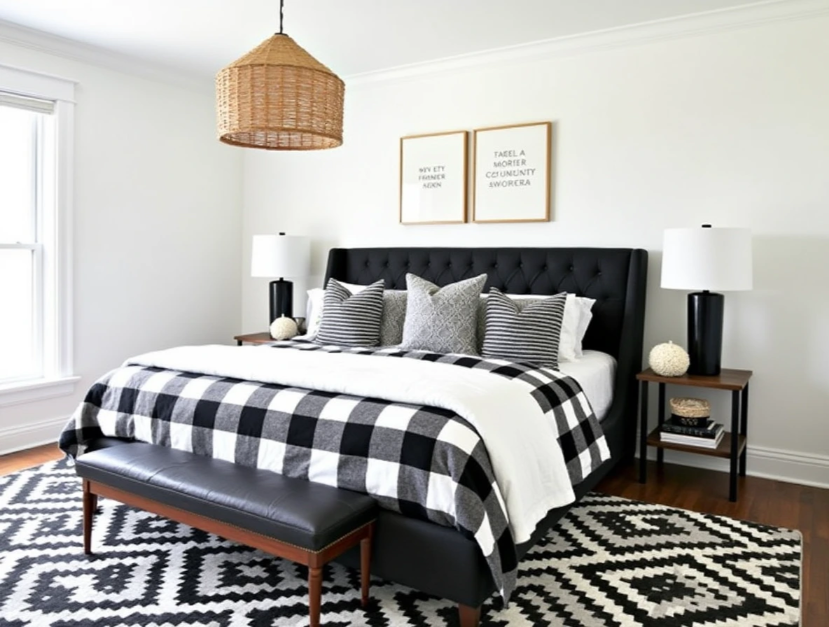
x,y
707,435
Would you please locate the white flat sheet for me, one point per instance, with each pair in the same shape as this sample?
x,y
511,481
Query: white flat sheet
x,y
596,373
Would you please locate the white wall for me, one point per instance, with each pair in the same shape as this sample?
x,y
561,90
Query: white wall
x,y
157,228
728,128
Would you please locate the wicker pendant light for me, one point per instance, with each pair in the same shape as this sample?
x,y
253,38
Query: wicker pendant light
x,y
279,97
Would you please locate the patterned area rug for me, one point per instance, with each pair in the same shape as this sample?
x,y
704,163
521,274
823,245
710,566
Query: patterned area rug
x,y
610,562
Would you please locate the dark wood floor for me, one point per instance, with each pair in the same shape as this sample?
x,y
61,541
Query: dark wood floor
x,y
761,500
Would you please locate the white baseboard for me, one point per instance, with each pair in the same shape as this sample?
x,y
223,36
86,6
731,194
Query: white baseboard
x,y
22,437
769,463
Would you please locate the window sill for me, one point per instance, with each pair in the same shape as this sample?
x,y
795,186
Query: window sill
x,y
37,390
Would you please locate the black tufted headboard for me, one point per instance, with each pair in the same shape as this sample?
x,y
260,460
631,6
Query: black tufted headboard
x,y
615,277
610,275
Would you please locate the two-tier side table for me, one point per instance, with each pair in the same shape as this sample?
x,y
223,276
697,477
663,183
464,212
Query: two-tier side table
x,y
733,444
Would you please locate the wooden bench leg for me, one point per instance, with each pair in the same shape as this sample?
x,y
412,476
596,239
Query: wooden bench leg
x,y
470,616
88,509
315,594
365,564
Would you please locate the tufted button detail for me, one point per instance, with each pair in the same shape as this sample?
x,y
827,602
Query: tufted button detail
x,y
571,268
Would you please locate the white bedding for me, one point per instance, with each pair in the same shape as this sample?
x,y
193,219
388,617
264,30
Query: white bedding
x,y
526,458
596,373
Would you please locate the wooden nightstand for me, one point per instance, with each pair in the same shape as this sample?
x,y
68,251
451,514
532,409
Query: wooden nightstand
x,y
254,338
733,444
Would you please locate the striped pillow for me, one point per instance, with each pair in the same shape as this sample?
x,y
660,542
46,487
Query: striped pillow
x,y
351,319
527,332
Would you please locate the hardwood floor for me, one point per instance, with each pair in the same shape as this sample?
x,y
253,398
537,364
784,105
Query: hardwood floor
x,y
26,459
760,500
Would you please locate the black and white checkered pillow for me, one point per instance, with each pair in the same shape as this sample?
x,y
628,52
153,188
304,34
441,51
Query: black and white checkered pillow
x,y
351,319
527,332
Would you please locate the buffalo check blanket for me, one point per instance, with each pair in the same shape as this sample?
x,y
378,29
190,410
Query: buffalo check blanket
x,y
422,461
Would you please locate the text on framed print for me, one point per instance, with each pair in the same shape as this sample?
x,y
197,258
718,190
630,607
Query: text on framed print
x,y
433,175
512,173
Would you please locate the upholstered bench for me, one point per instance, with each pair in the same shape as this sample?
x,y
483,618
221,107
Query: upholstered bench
x,y
294,519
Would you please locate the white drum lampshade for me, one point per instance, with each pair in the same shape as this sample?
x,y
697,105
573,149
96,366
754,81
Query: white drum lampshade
x,y
713,259
706,260
280,256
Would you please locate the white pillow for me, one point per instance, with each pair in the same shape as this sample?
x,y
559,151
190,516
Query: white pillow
x,y
584,321
569,330
313,312
577,317
353,287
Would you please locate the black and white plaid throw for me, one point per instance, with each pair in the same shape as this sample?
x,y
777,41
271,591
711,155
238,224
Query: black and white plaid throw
x,y
415,460
559,396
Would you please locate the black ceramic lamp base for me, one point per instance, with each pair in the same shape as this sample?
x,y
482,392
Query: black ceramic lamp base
x,y
282,299
705,322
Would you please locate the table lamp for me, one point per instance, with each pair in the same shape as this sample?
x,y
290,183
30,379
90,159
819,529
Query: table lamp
x,y
706,260
280,256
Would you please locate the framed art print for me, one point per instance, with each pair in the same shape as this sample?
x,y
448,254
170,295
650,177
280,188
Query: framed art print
x,y
433,178
512,173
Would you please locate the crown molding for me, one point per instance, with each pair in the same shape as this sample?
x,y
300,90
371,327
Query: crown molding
x,y
696,24
94,55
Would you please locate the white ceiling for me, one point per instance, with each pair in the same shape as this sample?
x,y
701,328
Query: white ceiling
x,y
198,37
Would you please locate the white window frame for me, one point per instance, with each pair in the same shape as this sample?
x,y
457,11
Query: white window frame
x,y
53,253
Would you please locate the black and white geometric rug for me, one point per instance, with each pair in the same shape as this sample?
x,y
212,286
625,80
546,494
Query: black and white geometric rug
x,y
610,562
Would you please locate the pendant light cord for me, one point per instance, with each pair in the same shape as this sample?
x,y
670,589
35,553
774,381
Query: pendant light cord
x,y
281,13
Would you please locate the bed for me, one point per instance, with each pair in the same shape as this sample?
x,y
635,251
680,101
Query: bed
x,y
437,559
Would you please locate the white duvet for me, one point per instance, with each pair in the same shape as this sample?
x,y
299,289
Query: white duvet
x,y
522,444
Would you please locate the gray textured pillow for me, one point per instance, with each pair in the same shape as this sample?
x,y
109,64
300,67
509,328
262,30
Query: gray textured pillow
x,y
394,314
442,320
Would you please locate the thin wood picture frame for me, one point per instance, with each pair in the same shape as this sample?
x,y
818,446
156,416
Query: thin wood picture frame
x,y
434,174
512,173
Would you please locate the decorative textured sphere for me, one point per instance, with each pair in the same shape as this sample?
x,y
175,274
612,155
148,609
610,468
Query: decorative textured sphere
x,y
283,328
669,360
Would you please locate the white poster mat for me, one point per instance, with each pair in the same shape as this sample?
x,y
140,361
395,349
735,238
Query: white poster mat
x,y
433,178
512,173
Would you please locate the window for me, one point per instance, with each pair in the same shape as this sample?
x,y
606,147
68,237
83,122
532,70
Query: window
x,y
35,206
25,176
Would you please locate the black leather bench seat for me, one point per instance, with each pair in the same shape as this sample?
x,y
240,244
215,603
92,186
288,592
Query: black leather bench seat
x,y
294,511
295,519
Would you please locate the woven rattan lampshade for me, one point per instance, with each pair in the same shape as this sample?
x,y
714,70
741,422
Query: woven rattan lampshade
x,y
279,97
